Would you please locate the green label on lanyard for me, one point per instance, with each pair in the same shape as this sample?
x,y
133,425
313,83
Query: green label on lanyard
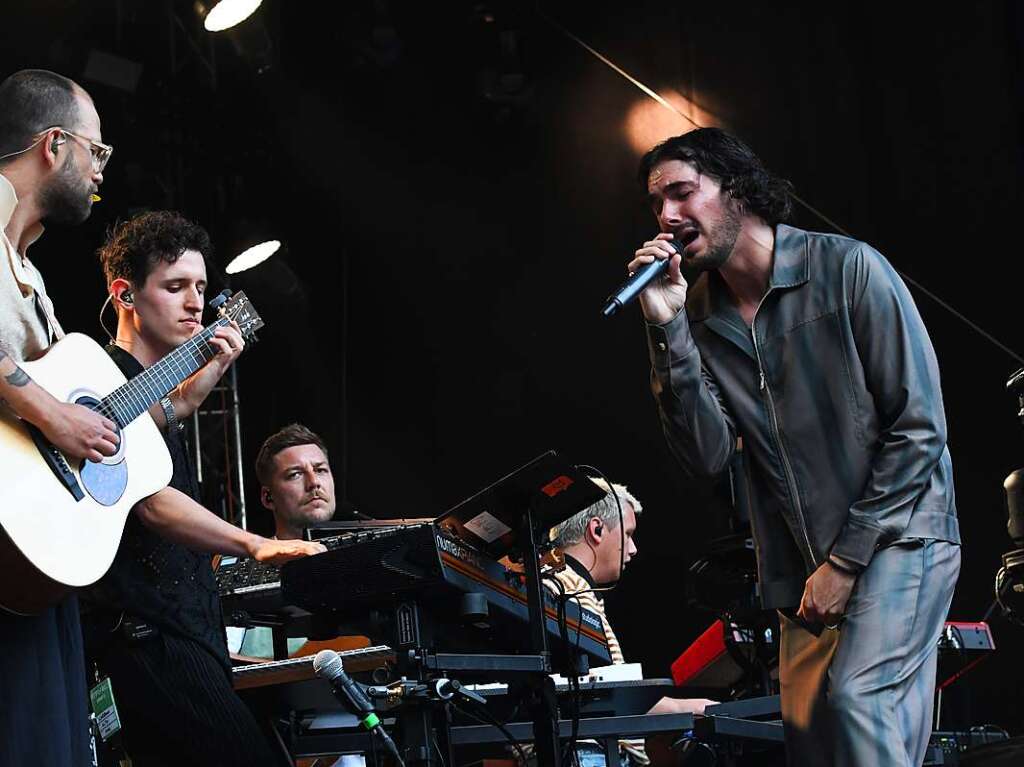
x,y
102,698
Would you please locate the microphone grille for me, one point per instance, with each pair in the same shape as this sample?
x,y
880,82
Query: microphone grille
x,y
327,664
680,245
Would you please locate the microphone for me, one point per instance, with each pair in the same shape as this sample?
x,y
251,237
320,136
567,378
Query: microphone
x,y
328,665
643,276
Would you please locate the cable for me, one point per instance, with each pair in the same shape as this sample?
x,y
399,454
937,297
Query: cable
x,y
103,324
983,728
1008,613
280,741
796,198
614,67
440,756
622,532
373,752
485,717
575,694
578,693
563,632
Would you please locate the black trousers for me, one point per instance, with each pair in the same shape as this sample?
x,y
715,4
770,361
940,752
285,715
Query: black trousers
x,y
43,702
177,707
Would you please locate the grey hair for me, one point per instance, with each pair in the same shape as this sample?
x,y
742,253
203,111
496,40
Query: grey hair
x,y
571,531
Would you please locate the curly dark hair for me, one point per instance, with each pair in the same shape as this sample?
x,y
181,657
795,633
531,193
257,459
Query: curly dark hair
x,y
292,435
732,164
135,246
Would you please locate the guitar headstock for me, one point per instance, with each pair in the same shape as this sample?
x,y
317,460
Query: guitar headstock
x,y
240,309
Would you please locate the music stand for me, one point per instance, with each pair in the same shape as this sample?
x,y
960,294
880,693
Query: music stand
x,y
548,487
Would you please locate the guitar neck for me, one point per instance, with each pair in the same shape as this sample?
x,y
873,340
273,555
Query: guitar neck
x,y
135,397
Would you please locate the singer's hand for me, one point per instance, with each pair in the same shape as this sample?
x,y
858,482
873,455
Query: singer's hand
x,y
663,298
826,593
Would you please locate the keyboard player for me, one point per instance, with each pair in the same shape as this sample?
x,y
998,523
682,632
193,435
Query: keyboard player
x,y
297,488
592,543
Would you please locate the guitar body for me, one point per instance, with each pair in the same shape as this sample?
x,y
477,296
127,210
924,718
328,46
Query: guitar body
x,y
63,535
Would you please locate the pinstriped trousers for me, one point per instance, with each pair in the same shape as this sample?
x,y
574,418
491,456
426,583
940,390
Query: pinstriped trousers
x,y
178,707
863,696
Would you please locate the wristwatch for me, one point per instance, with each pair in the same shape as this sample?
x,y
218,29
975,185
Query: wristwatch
x,y
172,419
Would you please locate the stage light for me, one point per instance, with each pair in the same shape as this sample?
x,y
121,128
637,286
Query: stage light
x,y
228,13
255,255
650,122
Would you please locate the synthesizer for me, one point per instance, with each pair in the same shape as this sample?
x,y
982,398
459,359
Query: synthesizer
x,y
469,601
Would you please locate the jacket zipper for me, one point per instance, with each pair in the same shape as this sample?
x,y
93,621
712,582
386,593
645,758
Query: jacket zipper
x,y
790,477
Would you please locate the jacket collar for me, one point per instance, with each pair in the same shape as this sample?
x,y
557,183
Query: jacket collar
x,y
791,268
21,267
8,201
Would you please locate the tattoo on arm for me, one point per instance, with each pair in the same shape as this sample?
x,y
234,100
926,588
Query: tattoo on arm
x,y
18,378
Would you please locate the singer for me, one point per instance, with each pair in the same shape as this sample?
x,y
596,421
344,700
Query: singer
x,y
810,348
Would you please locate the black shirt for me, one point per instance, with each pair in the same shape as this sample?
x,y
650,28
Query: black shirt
x,y
155,580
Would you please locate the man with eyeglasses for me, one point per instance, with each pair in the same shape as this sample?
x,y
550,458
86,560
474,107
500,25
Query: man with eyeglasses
x,y
51,166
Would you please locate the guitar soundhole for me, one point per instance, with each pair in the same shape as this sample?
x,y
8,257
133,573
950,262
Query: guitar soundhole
x,y
106,481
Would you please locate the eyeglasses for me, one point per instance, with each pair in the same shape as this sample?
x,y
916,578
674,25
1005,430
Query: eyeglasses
x,y
100,152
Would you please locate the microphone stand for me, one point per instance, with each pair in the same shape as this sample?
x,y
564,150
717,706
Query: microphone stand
x,y
542,700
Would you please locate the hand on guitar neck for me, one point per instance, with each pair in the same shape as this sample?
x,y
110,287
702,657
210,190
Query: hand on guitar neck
x,y
228,344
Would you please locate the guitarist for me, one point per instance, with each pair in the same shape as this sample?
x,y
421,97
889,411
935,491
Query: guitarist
x,y
163,643
51,164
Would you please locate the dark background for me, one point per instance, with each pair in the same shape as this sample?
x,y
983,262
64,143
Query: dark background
x,y
454,186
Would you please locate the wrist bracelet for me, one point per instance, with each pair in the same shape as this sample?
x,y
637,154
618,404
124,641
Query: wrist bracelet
x,y
842,568
172,420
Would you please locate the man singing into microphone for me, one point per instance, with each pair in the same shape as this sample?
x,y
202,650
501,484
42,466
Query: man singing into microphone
x,y
810,348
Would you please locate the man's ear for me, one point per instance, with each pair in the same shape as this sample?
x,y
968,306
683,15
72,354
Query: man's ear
x,y
595,530
52,145
266,498
121,290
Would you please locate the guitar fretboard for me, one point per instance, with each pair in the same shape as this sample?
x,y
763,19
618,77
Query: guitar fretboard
x,y
135,397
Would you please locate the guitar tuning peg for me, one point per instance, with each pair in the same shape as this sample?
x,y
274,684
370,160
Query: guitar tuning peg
x,y
218,300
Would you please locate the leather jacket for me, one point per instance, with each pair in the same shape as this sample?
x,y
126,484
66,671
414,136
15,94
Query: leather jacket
x,y
834,389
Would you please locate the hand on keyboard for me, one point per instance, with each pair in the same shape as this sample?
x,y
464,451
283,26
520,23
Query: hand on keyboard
x,y
681,706
278,552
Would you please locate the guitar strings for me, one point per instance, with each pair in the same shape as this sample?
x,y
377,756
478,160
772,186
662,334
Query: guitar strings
x,y
149,379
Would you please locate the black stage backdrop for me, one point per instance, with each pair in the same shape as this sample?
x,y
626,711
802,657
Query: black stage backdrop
x,y
454,186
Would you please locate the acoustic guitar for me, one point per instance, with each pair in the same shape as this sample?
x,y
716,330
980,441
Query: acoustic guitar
x,y
61,520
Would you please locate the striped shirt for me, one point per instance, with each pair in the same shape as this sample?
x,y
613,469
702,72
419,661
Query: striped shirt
x,y
583,590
